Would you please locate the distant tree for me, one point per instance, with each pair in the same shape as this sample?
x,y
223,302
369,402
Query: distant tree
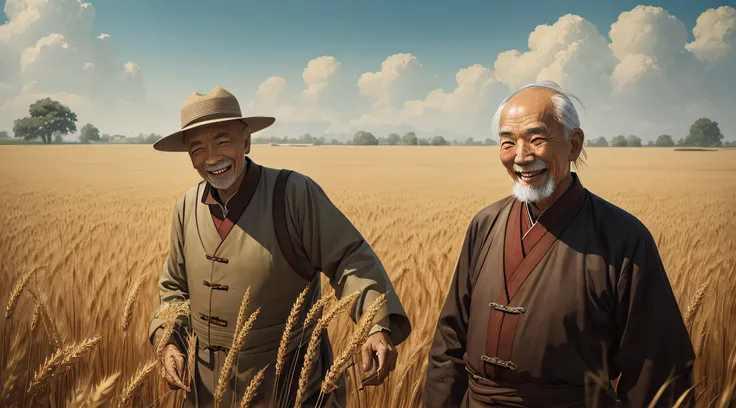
x,y
3,134
491,142
58,138
729,144
650,144
47,119
335,142
394,139
423,142
633,141
664,141
106,138
704,133
438,141
618,141
151,139
410,138
89,133
364,138
600,142
382,141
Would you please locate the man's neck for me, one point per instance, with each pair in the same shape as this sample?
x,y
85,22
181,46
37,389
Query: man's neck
x,y
538,207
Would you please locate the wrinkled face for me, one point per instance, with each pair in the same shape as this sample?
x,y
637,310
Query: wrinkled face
x,y
218,152
533,146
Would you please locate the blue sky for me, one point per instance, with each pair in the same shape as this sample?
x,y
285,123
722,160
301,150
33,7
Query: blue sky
x,y
241,43
183,46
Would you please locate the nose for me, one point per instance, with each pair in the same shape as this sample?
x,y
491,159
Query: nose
x,y
211,158
524,153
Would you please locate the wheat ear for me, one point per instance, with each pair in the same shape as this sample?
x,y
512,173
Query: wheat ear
x,y
356,341
130,301
290,323
60,362
695,303
250,392
232,355
315,340
135,382
18,289
95,397
36,316
48,323
241,313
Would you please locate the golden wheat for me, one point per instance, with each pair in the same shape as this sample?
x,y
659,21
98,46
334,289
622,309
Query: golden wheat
x,y
130,301
99,396
18,289
232,355
412,204
49,323
60,362
250,392
135,382
314,342
356,341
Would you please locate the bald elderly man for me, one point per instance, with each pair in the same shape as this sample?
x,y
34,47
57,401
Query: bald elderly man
x,y
554,283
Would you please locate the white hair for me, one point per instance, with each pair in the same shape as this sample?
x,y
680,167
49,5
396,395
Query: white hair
x,y
564,110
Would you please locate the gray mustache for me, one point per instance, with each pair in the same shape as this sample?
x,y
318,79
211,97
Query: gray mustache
x,y
219,165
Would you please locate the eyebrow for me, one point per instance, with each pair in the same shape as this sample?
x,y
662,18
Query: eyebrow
x,y
528,131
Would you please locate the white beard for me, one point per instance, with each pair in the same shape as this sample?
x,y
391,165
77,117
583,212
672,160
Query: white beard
x,y
528,194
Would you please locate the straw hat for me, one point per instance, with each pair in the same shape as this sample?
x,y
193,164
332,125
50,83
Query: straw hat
x,y
199,110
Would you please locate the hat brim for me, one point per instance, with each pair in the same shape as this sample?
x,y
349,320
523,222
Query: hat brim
x,y
175,142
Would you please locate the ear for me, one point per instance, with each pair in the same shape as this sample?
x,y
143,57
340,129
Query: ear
x,y
246,139
577,141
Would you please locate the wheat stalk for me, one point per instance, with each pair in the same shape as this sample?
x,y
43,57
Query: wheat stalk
x,y
95,397
232,355
176,309
135,382
314,342
250,392
191,358
312,316
18,289
695,303
60,362
130,301
356,341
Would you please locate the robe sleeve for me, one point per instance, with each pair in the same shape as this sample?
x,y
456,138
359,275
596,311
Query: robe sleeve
x,y
653,341
172,283
322,234
446,379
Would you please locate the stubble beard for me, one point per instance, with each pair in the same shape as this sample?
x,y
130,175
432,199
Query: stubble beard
x,y
222,183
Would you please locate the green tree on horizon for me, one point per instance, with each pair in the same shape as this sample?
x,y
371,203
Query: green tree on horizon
x,y
48,118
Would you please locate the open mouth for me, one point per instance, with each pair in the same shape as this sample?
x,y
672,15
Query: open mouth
x,y
220,171
530,175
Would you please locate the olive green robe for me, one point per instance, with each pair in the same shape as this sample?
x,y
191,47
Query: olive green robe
x,y
214,273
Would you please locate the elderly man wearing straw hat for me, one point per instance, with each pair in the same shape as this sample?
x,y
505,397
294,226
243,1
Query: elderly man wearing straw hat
x,y
249,226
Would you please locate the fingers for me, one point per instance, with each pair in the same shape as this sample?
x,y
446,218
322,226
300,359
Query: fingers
x,y
382,353
367,357
174,367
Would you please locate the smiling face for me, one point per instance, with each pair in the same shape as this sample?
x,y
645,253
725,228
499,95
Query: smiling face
x,y
533,147
218,152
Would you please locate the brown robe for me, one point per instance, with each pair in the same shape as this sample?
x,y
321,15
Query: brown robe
x,y
214,259
528,314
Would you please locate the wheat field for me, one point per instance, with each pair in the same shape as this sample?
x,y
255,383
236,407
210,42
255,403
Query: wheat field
x,y
95,218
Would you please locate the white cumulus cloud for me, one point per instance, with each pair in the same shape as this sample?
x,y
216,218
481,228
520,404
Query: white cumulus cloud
x,y
49,48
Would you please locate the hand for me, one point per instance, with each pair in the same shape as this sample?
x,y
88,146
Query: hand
x,y
379,344
174,367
